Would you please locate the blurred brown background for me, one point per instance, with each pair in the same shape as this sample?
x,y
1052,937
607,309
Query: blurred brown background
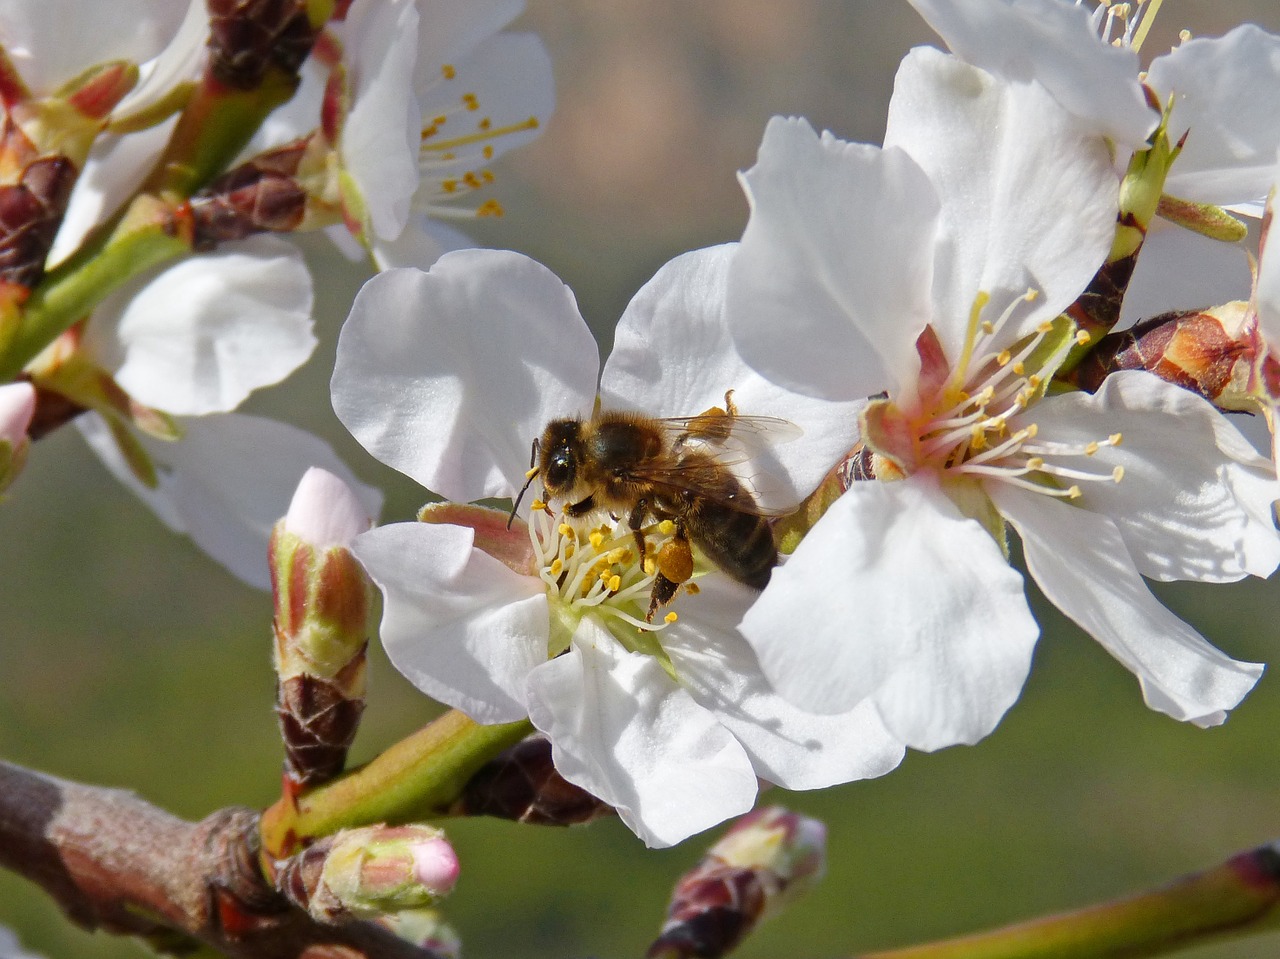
x,y
128,658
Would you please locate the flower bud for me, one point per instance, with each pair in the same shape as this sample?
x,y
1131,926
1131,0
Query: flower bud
x,y
323,600
522,784
17,407
768,859
367,872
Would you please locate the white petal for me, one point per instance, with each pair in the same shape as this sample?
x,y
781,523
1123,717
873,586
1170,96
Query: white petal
x,y
1267,295
51,41
227,481
896,596
449,31
460,625
506,81
787,746
116,167
200,336
380,137
829,288
450,375
178,62
673,356
623,731
1053,43
1028,197
1232,127
420,244
1180,270
1080,562
1195,498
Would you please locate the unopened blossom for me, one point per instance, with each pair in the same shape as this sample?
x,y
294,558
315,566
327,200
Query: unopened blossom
x,y
1088,61
932,275
669,721
17,406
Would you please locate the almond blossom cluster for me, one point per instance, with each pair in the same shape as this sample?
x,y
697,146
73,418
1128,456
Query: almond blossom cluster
x,y
1002,342
915,309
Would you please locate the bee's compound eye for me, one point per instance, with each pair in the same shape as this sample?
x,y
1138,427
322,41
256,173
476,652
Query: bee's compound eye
x,y
559,471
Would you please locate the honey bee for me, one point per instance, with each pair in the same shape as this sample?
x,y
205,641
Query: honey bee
x,y
677,469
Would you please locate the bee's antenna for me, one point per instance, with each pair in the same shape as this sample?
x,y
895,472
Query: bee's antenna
x,y
528,478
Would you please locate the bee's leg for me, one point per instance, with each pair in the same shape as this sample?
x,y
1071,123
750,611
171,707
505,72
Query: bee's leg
x,y
580,508
675,568
636,520
712,424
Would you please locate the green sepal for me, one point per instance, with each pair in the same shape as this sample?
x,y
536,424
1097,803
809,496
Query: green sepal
x,y
1204,218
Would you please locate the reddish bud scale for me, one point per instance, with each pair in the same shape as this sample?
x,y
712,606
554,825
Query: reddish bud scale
x,y
246,37
713,909
259,196
522,785
1189,349
1097,310
318,723
99,95
30,213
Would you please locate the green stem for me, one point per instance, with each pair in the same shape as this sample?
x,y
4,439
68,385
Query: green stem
x,y
1239,897
68,293
417,778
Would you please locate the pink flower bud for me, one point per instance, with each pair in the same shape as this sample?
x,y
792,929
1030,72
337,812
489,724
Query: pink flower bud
x,y
324,511
435,865
17,406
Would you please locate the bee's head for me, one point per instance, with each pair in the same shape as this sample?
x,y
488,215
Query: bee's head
x,y
558,453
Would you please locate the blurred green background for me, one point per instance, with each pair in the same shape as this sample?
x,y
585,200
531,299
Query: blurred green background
x,y
129,659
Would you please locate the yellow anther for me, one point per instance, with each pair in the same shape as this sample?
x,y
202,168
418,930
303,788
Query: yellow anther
x,y
670,618
1082,338
1003,357
1031,431
488,151
1091,449
567,531
1074,493
448,70
485,124
449,186
693,589
1031,296
650,566
1045,328
615,583
490,207
619,556
1117,474
531,472
569,550
556,567
471,180
666,527
1114,439
987,327
978,438
471,101
596,538
1035,463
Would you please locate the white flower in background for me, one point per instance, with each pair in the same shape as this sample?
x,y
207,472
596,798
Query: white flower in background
x,y
1232,128
437,92
11,946
193,340
226,482
54,41
448,376
904,273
